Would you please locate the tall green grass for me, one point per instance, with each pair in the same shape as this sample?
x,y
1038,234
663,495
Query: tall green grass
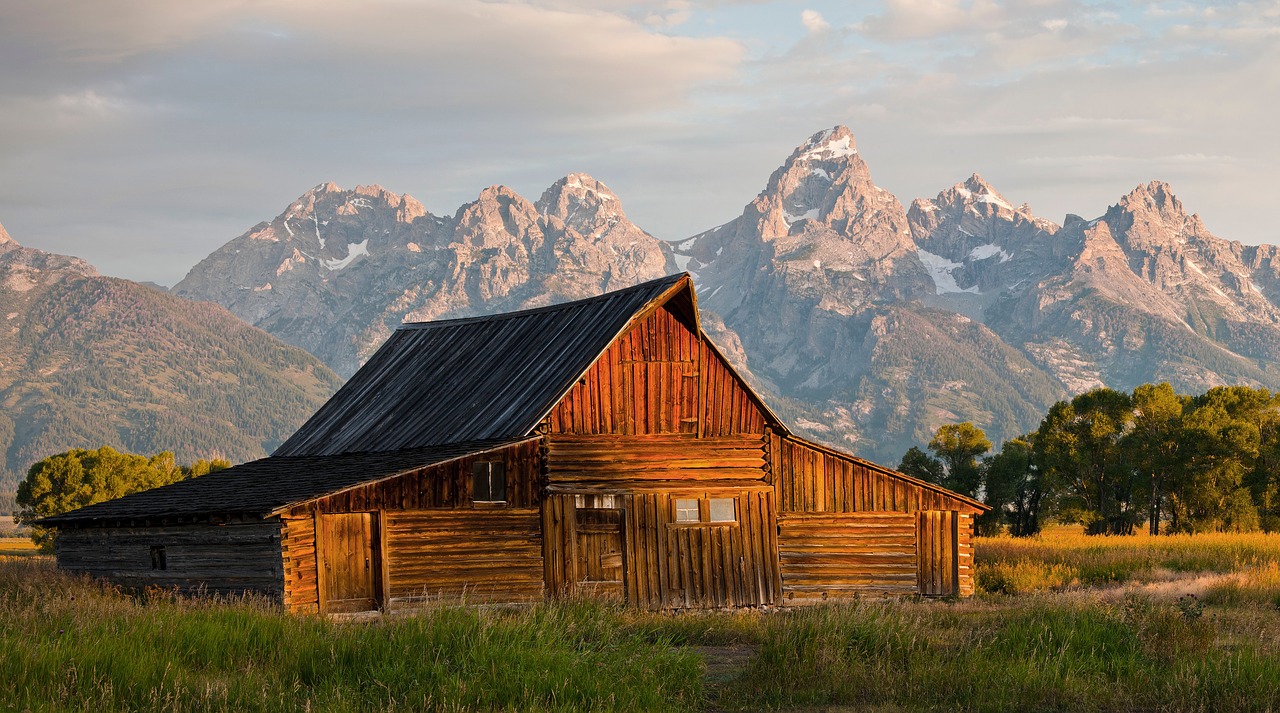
x,y
67,644
1032,654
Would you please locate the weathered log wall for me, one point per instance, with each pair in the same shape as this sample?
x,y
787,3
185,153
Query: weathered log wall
x,y
658,377
575,458
843,554
298,546
197,558
824,550
472,555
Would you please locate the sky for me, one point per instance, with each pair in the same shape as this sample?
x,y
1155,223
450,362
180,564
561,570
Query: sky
x,y
143,134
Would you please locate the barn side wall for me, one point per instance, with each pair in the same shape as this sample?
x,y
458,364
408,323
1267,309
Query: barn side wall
x,y
847,527
666,564
435,542
197,558
464,555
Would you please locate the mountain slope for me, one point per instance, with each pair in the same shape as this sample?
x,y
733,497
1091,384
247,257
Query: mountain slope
x,y
1149,294
87,360
338,270
823,282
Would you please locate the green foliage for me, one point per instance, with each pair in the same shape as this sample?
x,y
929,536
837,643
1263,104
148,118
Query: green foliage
x,y
1110,460
958,446
1017,489
919,464
78,477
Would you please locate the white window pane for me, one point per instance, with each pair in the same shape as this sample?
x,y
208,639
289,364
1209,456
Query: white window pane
x,y
722,510
686,510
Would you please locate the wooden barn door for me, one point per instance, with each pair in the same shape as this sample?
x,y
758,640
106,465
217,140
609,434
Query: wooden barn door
x,y
348,568
599,549
937,553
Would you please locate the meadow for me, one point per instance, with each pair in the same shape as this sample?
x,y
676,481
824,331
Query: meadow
x,y
1063,622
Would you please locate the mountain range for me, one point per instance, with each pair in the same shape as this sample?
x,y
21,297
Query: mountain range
x,y
88,360
868,323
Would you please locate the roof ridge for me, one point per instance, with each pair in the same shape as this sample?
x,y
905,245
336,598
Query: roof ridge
x,y
500,316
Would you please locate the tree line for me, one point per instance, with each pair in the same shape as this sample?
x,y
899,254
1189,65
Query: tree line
x,y
80,477
1114,461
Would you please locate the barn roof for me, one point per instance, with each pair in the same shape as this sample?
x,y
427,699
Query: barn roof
x,y
260,487
479,378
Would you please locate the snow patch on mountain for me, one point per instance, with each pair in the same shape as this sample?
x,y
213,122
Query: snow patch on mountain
x,y
826,149
982,252
940,269
354,250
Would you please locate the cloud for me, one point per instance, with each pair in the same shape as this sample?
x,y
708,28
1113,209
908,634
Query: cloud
x,y
813,21
180,113
142,134
917,19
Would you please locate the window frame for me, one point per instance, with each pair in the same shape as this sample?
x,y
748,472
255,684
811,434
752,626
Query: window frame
x,y
489,465
704,511
159,559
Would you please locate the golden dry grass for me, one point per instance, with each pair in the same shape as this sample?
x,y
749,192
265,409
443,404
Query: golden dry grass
x,y
1064,558
17,547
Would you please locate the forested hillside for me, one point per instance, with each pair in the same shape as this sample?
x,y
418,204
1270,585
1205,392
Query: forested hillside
x,y
87,360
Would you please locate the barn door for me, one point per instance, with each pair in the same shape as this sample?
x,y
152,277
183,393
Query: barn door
x,y
345,543
937,553
599,548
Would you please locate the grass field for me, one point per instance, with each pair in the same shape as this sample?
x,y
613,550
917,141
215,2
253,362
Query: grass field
x,y
16,547
1083,624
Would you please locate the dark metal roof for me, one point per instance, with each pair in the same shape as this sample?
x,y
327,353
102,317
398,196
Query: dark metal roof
x,y
261,487
479,378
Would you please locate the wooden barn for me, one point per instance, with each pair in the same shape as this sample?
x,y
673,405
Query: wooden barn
x,y
603,448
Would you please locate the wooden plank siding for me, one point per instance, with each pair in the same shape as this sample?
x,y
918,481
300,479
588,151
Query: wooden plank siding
x,y
843,554
298,549
822,492
658,377
447,485
574,458
466,555
671,565
810,478
198,558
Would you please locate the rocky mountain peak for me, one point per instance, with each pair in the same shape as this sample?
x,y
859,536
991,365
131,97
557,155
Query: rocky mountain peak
x,y
409,209
580,202
497,218
1156,198
4,236
1150,217
828,144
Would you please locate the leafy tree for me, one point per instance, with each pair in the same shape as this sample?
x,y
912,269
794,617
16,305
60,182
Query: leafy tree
x,y
1222,440
958,446
919,464
78,477
1154,445
1017,488
1080,444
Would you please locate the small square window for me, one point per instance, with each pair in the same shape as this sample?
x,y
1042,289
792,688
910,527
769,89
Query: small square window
x,y
158,558
723,510
488,482
686,511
